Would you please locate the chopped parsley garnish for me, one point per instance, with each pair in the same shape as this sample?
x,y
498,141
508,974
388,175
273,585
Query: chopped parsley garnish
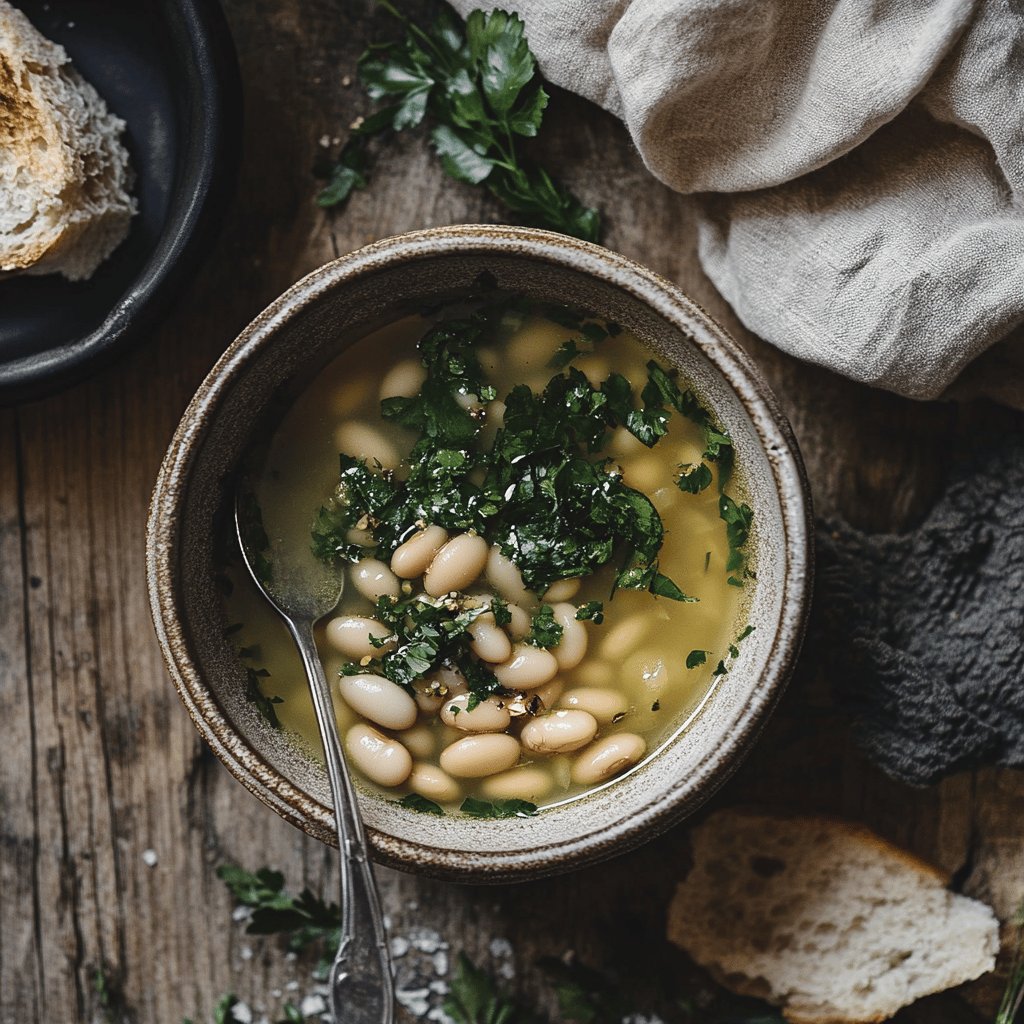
x,y
738,520
476,85
733,652
696,658
592,611
430,634
553,508
544,631
415,802
474,808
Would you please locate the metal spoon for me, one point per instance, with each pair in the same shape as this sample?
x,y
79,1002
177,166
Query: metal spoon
x,y
303,590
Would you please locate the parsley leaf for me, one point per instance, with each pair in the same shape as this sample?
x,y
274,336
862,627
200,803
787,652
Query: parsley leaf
x,y
696,658
430,634
474,808
738,520
553,509
415,802
305,919
544,631
478,88
474,998
592,610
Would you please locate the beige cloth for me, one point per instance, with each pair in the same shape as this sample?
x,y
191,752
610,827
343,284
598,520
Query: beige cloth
x,y
860,165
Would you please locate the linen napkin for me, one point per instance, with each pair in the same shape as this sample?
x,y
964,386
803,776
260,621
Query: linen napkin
x,y
858,166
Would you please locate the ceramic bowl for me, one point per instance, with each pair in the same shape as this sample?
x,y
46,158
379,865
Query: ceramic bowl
x,y
314,320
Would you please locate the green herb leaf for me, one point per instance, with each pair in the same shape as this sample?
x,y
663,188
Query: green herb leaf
x,y
415,802
474,808
695,479
305,918
696,658
544,631
592,610
474,998
738,520
255,695
477,86
1013,996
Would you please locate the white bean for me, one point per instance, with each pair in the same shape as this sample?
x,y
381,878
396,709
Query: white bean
x,y
571,649
347,398
403,380
563,590
525,783
373,579
595,368
623,443
624,637
434,690
351,634
532,346
549,693
379,700
596,673
476,756
380,759
649,670
645,473
489,715
503,574
362,441
428,780
489,642
412,557
559,732
456,565
520,623
527,668
364,538
419,741
605,705
607,757
664,499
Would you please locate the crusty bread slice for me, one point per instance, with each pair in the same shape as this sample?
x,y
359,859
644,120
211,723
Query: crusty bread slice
x,y
824,919
64,175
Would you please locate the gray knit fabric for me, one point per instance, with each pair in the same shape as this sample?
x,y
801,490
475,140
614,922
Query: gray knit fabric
x,y
923,633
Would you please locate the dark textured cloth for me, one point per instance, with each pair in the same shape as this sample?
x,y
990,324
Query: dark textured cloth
x,y
923,632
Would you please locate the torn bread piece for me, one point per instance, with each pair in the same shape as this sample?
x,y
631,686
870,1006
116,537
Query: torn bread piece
x,y
65,178
824,919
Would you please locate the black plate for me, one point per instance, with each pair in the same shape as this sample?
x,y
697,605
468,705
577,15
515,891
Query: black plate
x,y
168,68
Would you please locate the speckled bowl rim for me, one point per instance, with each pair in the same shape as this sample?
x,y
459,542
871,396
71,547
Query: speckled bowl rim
x,y
665,299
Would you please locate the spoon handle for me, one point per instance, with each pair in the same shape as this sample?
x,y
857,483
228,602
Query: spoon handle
x,y
362,986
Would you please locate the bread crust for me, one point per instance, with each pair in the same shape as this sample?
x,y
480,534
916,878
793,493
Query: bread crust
x,y
64,175
729,920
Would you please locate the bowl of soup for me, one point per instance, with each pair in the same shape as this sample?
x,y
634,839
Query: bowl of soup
x,y
572,527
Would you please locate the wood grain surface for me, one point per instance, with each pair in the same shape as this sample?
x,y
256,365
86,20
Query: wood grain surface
x,y
100,762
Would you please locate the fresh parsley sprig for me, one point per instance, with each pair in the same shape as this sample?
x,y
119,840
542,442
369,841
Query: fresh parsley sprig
x,y
306,919
475,998
476,85
1013,997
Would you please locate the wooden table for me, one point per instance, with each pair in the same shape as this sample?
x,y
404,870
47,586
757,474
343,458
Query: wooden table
x,y
101,764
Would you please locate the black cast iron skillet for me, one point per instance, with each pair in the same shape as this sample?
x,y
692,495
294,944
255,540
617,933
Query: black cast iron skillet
x,y
168,68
